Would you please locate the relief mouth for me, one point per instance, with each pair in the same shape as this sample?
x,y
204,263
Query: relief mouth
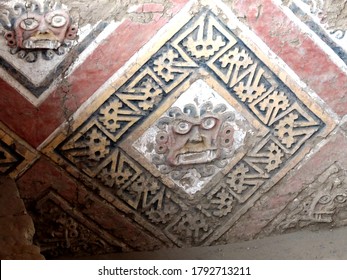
x,y
41,43
196,157
323,216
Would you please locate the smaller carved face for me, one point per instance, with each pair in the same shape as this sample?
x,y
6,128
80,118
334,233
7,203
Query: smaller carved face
x,y
325,202
42,31
193,138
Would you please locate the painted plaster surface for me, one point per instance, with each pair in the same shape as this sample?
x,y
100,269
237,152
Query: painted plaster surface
x,y
36,123
181,187
187,123
285,34
326,18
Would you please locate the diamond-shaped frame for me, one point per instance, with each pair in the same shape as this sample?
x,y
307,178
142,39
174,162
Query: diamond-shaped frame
x,y
225,55
127,145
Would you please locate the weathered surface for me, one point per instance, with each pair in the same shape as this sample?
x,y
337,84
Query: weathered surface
x,y
70,220
183,123
183,185
140,10
16,226
333,13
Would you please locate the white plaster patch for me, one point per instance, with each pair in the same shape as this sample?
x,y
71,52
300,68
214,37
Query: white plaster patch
x,y
198,94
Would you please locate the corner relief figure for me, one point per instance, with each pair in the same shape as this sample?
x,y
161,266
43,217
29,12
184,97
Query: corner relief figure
x,y
331,14
45,27
323,202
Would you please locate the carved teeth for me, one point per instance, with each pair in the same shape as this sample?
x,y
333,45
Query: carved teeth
x,y
323,217
41,44
196,157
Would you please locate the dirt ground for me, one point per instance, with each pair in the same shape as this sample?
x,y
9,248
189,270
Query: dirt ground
x,y
304,245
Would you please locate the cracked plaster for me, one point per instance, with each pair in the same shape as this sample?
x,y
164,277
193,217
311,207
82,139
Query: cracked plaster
x,y
93,11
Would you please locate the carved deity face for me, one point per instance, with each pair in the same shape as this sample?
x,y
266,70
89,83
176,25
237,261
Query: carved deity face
x,y
39,26
326,201
43,31
195,138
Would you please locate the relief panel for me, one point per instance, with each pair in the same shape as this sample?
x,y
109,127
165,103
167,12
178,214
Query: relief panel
x,y
62,231
195,139
195,132
36,25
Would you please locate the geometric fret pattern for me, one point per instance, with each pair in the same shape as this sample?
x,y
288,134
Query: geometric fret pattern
x,y
69,233
99,144
16,156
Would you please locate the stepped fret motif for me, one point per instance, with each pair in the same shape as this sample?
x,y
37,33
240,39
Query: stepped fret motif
x,y
195,132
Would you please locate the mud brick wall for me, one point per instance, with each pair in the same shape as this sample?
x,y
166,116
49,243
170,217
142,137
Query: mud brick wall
x,y
177,123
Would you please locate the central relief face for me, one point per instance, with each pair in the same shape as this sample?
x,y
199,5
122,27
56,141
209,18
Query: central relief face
x,y
195,135
196,138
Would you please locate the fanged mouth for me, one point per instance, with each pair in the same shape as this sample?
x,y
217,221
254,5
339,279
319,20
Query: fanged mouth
x,y
196,157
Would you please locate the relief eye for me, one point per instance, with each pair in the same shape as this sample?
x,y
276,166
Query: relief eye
x,y
208,123
341,198
182,127
325,199
58,21
29,24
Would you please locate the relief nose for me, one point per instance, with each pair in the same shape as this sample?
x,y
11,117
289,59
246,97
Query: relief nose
x,y
43,32
195,135
43,29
